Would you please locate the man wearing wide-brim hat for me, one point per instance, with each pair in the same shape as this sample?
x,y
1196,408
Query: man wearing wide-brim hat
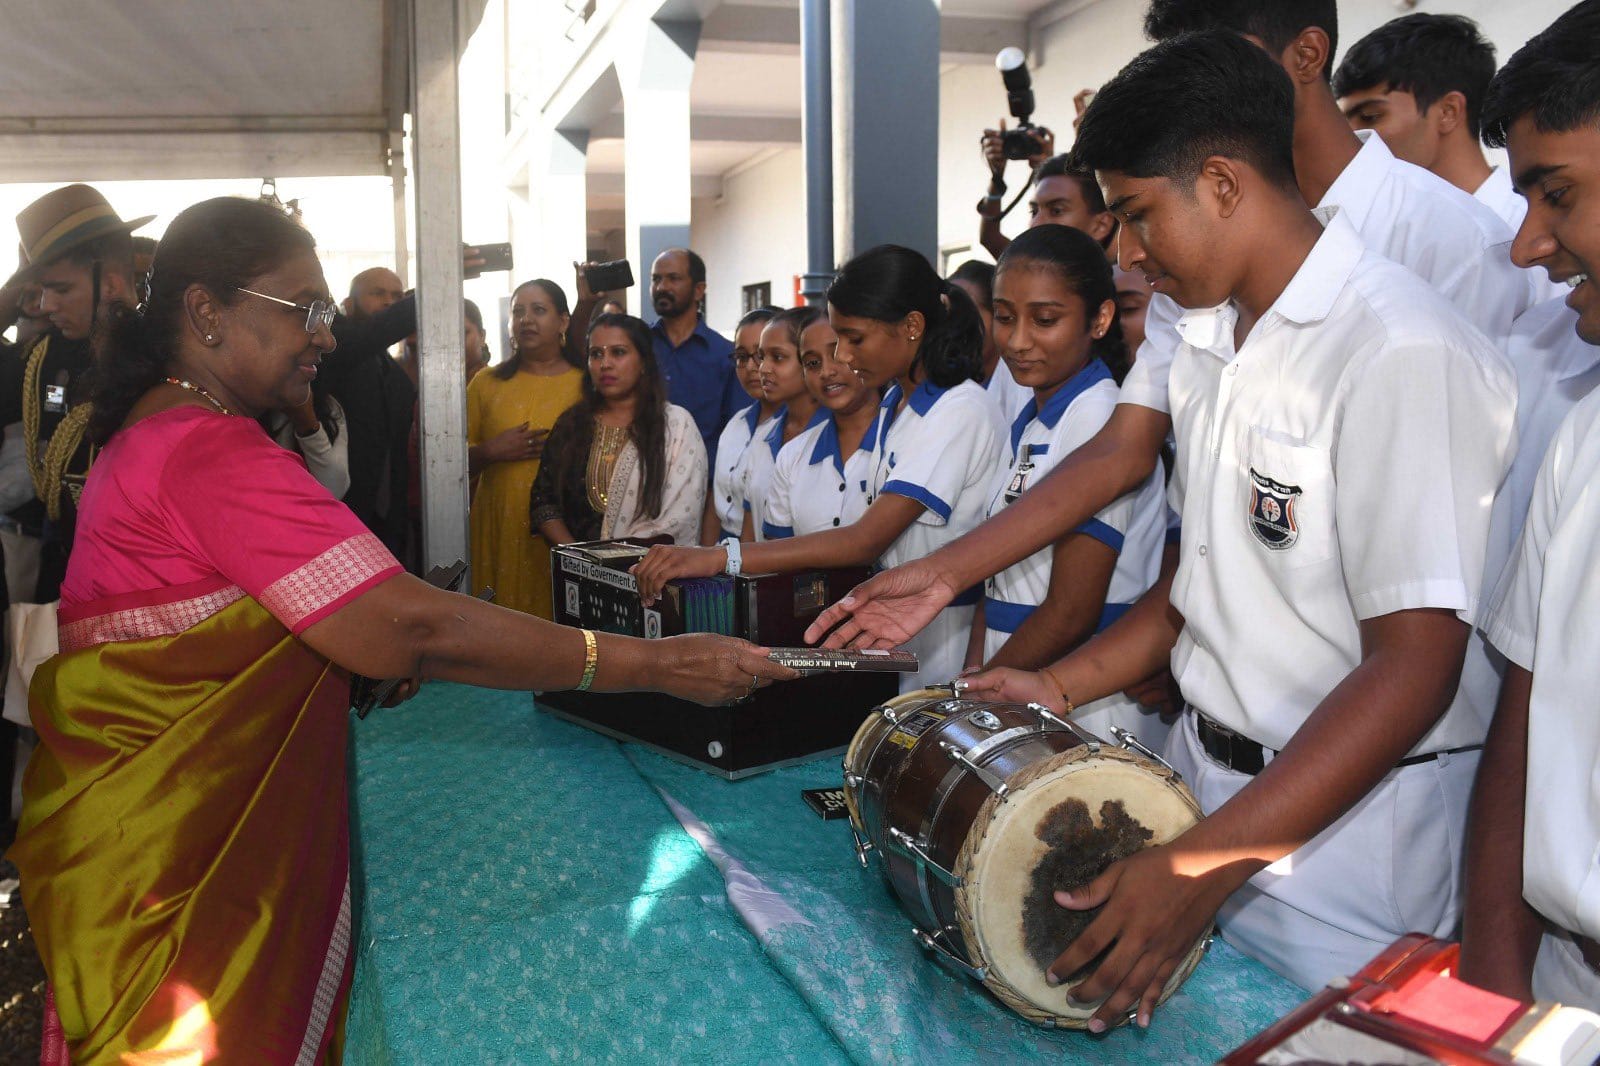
x,y
79,252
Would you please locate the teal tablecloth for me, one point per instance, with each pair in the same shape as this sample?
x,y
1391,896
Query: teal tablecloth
x,y
529,893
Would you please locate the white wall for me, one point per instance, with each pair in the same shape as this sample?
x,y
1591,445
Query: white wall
x,y
1088,48
755,232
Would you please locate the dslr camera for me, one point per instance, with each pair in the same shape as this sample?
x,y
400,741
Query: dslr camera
x,y
1025,141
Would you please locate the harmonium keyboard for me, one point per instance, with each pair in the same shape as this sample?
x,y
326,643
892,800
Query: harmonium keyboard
x,y
781,724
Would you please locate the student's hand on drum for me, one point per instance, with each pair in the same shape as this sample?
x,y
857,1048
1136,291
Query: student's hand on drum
x,y
713,670
1156,903
1004,684
886,610
664,562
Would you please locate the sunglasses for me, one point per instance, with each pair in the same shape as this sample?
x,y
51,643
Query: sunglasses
x,y
319,313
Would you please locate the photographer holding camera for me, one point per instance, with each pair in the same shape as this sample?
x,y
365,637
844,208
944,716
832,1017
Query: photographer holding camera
x,y
1038,143
1060,196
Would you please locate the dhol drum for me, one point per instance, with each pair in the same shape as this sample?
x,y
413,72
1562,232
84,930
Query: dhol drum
x,y
977,813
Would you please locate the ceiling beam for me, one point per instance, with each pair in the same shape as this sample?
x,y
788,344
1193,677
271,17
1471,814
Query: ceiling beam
x,y
54,157
965,39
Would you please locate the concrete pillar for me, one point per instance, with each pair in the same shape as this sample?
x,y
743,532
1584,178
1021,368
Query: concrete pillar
x,y
559,187
885,125
655,67
817,134
436,135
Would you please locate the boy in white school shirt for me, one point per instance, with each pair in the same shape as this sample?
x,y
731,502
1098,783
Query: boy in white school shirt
x,y
1532,881
1418,81
1400,211
1341,431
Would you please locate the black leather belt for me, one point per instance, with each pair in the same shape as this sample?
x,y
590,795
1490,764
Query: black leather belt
x,y
1240,753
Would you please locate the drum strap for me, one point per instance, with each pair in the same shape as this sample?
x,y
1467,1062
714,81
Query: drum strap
x,y
1243,755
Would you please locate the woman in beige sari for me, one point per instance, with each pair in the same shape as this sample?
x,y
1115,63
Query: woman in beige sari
x,y
622,462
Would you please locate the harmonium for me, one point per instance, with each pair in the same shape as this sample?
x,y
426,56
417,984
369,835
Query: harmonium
x,y
1407,1008
781,724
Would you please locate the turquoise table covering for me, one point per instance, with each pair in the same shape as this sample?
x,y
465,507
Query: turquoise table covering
x,y
534,892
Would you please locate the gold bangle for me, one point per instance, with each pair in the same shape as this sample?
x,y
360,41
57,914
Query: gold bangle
x,y
591,659
1055,682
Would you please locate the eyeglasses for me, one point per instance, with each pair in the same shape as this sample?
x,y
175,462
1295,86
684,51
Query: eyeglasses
x,y
740,357
318,313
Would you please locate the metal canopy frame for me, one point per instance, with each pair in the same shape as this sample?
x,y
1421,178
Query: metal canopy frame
x,y
98,90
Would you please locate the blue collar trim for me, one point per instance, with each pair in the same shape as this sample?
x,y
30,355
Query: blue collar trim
x,y
1093,372
827,446
775,434
925,397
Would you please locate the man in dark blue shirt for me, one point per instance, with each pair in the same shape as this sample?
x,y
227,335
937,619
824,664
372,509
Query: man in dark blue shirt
x,y
695,359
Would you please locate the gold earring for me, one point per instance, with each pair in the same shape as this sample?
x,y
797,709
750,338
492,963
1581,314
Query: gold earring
x,y
563,338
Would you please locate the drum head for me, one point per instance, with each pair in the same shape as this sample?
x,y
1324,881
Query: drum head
x,y
1066,818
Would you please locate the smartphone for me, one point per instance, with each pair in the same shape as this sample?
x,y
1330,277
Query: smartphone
x,y
608,277
496,258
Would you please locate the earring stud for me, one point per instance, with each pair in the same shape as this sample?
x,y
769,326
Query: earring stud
x,y
209,337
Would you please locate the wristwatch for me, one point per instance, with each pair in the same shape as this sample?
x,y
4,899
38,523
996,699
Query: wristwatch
x,y
735,552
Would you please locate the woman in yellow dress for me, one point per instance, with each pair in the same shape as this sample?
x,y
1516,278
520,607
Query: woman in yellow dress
x,y
510,409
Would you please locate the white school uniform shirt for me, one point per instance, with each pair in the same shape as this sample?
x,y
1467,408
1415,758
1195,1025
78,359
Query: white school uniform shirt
x,y
1134,526
1009,397
1545,617
1339,467
814,487
1500,196
1406,214
727,494
755,472
940,450
1555,369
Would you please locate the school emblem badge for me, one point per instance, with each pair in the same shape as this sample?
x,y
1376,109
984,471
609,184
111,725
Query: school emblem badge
x,y
1272,517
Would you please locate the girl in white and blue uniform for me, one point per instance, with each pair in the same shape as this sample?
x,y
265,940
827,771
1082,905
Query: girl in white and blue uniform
x,y
822,479
782,383
937,442
1055,321
725,504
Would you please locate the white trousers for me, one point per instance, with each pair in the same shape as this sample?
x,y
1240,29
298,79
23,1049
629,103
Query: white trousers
x,y
22,558
1561,976
1388,867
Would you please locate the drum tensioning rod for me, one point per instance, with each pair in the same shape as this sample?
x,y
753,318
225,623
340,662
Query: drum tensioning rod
x,y
917,851
862,847
930,941
1091,741
1131,743
982,773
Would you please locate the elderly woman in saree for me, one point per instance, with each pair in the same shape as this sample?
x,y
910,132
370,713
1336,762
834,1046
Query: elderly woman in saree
x,y
622,462
184,843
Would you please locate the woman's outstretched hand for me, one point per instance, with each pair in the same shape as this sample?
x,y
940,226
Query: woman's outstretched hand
x,y
712,670
665,562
